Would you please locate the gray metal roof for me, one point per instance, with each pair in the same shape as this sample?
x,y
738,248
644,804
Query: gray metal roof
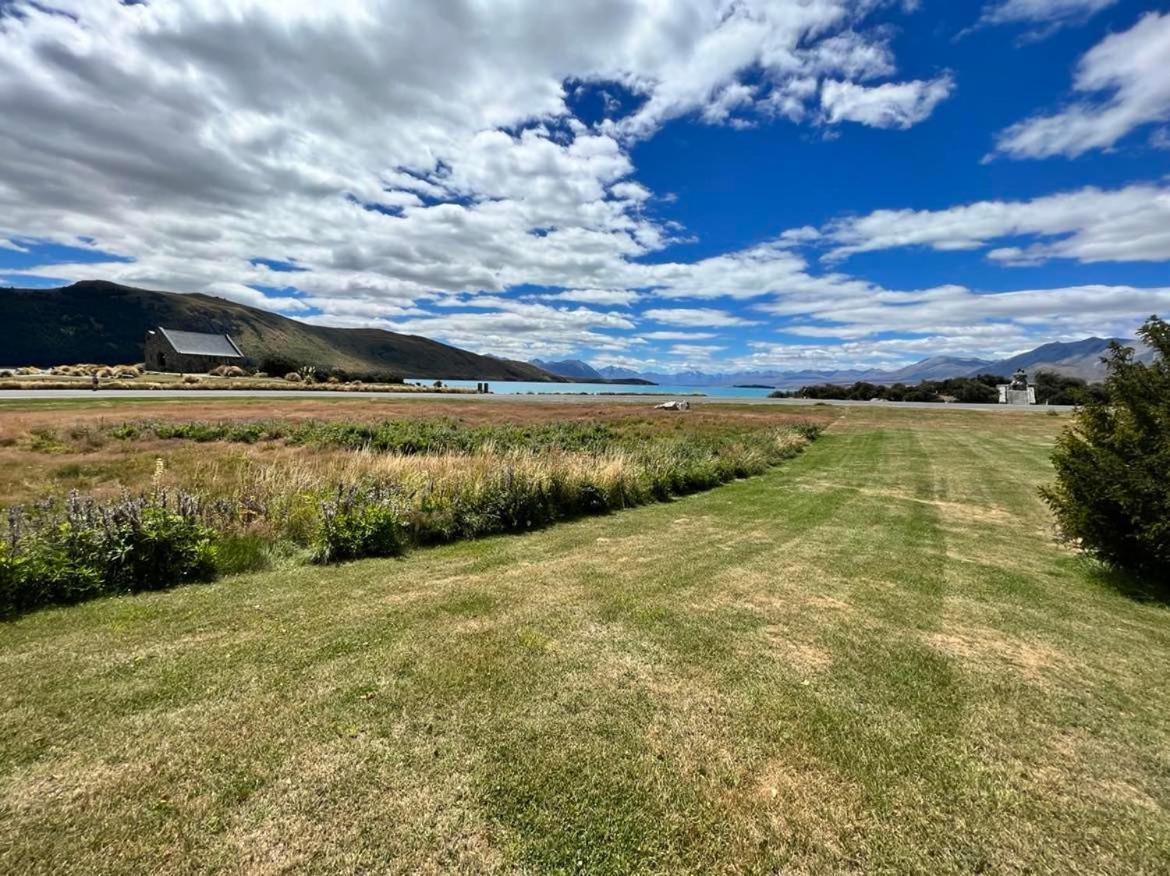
x,y
200,344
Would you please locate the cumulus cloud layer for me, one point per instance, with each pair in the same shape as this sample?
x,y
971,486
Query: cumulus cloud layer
x,y
1091,225
420,164
399,152
1125,81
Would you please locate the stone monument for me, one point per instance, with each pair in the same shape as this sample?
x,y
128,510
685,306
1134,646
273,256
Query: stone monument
x,y
1018,392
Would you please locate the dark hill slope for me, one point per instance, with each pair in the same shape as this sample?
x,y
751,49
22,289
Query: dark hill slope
x,y
105,323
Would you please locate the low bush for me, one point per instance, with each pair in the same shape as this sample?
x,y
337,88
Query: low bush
x,y
276,364
1055,389
65,551
359,522
316,373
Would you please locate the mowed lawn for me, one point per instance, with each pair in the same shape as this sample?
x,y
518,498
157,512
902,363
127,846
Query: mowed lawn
x,y
874,658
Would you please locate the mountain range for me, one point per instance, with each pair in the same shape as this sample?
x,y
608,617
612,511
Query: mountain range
x,y
105,323
1080,359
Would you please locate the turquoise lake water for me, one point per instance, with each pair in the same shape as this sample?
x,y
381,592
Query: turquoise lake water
x,y
503,387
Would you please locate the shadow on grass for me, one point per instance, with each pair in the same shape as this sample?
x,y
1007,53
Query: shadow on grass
x,y
1139,587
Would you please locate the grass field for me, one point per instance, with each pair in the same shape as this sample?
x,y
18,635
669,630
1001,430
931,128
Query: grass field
x,y
873,658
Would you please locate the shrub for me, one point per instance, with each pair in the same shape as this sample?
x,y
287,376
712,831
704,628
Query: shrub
x,y
278,364
1112,494
56,552
440,481
359,522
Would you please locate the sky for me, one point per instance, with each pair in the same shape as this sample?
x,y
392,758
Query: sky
x,y
662,185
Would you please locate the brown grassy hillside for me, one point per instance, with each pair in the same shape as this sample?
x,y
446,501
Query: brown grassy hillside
x,y
104,322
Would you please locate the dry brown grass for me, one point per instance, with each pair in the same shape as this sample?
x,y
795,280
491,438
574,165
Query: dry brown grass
x,y
54,450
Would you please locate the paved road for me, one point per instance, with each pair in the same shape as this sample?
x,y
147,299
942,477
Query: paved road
x,y
647,400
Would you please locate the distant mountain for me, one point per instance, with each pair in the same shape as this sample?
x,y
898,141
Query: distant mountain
x,y
105,323
1072,359
611,372
935,368
574,369
939,368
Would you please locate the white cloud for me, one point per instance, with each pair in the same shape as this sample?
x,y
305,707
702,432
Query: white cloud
x,y
520,329
695,317
892,105
247,295
958,311
793,44
1127,75
1041,11
1090,225
961,322
612,297
696,352
678,336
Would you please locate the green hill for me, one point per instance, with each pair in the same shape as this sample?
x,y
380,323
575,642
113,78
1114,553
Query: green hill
x,y
105,323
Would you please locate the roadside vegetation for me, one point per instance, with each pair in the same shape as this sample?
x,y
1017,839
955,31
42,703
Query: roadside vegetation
x,y
346,490
1051,388
278,372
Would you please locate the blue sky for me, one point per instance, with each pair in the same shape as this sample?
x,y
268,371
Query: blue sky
x,y
749,185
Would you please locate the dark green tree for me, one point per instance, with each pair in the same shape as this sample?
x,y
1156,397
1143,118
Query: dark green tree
x,y
1112,490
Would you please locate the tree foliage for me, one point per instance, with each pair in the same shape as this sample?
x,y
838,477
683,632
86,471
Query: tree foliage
x,y
1112,490
1056,389
972,390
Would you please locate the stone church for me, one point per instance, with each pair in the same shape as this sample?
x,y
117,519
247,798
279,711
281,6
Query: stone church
x,y
189,352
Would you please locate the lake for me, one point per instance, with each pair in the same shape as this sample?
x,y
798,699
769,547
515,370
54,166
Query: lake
x,y
517,387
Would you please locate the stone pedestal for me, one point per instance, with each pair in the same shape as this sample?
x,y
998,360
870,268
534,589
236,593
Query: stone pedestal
x,y
1009,396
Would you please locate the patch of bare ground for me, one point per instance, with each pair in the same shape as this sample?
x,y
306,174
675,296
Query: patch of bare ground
x,y
959,512
991,650
626,662
788,586
317,811
804,657
1075,768
64,785
817,813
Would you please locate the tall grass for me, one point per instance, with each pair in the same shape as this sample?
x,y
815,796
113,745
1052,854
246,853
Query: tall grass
x,y
402,486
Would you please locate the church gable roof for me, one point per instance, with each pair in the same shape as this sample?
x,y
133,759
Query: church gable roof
x,y
201,344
